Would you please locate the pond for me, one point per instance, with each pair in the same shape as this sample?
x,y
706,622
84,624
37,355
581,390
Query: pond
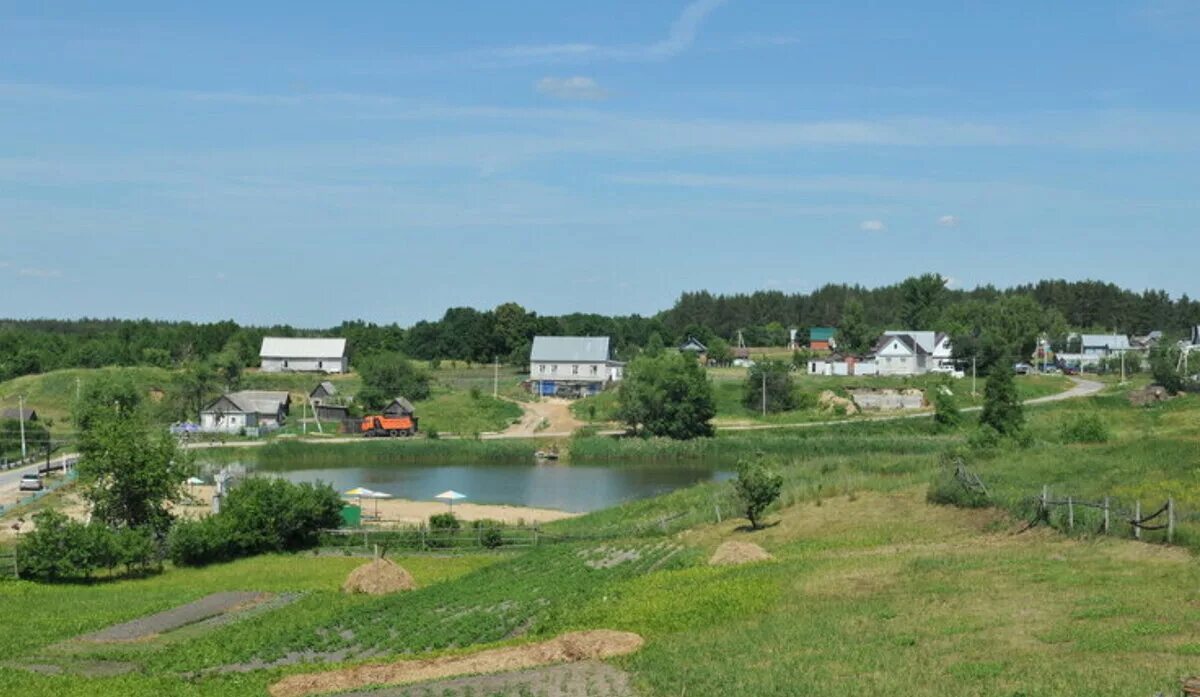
x,y
573,488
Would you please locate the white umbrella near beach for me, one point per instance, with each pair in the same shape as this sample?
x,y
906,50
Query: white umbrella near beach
x,y
450,496
362,492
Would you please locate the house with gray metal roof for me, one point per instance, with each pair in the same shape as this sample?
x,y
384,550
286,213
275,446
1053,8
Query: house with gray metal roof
x,y
287,354
249,409
1101,345
572,365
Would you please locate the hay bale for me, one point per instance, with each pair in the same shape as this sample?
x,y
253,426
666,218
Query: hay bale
x,y
828,401
737,553
379,577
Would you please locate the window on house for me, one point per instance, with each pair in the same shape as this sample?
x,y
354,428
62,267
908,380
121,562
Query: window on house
x,y
595,369
542,368
320,364
554,368
285,364
574,370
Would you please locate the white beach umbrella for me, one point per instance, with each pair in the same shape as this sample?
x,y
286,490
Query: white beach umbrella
x,y
450,496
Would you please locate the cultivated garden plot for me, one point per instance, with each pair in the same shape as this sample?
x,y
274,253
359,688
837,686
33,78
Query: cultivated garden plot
x,y
585,679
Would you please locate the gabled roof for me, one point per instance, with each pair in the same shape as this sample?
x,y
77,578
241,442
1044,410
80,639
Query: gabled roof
x,y
16,414
253,401
925,339
570,349
905,339
693,344
329,387
1113,342
283,347
400,405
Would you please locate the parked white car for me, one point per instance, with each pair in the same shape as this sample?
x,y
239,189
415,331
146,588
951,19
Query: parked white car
x,y
31,482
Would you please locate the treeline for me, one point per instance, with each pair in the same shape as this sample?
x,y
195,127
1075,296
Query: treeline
x,y
1052,308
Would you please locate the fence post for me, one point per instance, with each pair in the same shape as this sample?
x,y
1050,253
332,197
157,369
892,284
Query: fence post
x,y
1070,514
1170,520
1137,520
717,507
1045,511
1105,515
535,537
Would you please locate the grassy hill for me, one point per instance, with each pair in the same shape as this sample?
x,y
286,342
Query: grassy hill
x,y
872,589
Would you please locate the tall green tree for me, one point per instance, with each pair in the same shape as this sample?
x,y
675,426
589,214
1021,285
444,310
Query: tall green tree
x,y
853,334
1002,408
194,387
758,485
386,376
924,299
776,376
129,472
666,395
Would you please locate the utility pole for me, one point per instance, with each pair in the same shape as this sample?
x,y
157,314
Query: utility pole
x,y
764,390
496,377
1122,367
21,418
972,376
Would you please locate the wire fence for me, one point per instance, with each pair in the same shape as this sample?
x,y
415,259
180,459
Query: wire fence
x,y
1106,515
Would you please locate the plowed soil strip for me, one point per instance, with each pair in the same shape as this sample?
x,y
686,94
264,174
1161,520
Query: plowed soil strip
x,y
586,679
196,611
568,648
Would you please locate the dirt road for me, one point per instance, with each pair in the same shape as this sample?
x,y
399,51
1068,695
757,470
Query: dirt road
x,y
554,413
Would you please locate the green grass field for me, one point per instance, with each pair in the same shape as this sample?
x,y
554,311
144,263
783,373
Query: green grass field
x,y
872,590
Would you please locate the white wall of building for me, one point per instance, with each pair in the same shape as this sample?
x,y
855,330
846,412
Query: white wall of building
x,y
304,365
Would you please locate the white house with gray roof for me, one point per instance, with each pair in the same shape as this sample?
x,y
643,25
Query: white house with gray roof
x,y
248,409
572,365
1102,345
286,354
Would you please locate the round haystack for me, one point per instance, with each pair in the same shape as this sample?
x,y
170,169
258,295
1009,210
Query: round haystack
x,y
379,577
735,553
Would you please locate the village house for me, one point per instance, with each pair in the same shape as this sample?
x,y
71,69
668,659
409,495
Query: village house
x,y
399,407
902,352
821,339
838,365
17,414
1103,345
322,394
282,355
248,409
572,366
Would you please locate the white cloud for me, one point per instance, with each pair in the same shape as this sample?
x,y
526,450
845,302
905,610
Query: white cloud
x,y
680,38
577,88
953,283
31,272
948,221
872,226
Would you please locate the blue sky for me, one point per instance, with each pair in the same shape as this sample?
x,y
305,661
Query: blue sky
x,y
313,162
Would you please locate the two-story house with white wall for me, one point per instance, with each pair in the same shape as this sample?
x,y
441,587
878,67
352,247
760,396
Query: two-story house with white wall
x,y
572,365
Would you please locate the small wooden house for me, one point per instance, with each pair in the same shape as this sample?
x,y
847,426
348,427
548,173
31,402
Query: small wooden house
x,y
399,407
322,393
15,414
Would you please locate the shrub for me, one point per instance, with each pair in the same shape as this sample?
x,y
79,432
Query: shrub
x,y
259,515
64,549
781,391
984,438
444,522
945,408
1085,428
1001,406
491,538
947,490
758,486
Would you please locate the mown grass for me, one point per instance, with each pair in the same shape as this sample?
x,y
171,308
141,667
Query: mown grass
x,y
53,394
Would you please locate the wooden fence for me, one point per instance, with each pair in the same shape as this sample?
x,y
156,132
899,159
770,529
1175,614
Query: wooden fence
x,y
1163,518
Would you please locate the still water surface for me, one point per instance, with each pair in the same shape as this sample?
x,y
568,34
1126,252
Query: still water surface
x,y
574,488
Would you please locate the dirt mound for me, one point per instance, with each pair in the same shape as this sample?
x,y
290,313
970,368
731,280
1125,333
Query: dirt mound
x,y
568,648
1148,395
736,553
379,577
829,401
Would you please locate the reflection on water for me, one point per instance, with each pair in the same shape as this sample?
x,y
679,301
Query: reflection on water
x,y
574,488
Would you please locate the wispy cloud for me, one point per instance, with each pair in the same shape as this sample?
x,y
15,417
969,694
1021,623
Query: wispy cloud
x,y
680,37
573,88
872,226
31,272
948,221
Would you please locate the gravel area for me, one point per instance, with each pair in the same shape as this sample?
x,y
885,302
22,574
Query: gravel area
x,y
199,610
586,679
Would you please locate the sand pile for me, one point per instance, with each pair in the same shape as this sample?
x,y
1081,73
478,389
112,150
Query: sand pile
x,y
568,648
379,577
828,401
736,553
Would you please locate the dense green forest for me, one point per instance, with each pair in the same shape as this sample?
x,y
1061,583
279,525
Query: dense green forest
x,y
1004,321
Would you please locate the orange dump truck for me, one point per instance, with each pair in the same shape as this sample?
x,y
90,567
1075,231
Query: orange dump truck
x,y
378,426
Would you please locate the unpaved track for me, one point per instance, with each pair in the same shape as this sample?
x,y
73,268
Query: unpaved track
x,y
556,413
585,679
176,617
